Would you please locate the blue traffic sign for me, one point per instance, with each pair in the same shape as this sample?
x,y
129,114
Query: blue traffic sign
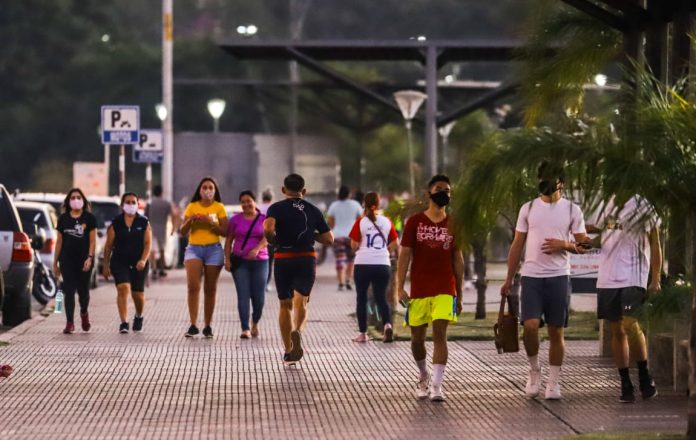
x,y
145,156
120,124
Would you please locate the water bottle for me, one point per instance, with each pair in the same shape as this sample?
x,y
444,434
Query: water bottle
x,y
59,302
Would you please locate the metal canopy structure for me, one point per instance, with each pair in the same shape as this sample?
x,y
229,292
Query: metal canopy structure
x,y
433,54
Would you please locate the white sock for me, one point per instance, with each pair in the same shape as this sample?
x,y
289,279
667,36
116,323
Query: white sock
x,y
438,374
554,373
422,368
534,362
386,326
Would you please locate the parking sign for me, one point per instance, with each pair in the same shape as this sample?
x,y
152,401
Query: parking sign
x,y
149,140
120,124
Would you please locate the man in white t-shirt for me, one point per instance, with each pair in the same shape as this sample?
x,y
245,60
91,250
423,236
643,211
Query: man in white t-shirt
x,y
545,225
342,215
630,250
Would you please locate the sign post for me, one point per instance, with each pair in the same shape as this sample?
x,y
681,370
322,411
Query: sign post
x,y
120,126
149,150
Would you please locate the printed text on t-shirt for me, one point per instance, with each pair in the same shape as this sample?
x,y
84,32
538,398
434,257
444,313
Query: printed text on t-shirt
x,y
434,236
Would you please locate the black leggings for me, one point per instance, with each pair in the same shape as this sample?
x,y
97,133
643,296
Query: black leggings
x,y
75,280
378,276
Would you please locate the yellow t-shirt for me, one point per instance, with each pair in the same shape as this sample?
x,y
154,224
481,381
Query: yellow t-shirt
x,y
201,233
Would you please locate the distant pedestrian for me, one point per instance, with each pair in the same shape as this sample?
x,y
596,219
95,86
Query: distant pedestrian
x,y
544,229
77,239
246,256
428,246
266,200
342,214
631,261
126,254
293,225
161,213
205,221
373,237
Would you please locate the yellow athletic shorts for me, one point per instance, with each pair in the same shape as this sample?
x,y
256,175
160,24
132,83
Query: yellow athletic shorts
x,y
422,311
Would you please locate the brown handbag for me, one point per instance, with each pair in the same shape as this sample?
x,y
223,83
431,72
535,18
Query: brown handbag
x,y
505,331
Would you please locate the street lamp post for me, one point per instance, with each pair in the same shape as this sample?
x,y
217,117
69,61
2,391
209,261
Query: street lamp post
x,y
445,131
216,107
409,101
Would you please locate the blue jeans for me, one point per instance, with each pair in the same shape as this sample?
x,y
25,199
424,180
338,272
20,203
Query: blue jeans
x,y
250,281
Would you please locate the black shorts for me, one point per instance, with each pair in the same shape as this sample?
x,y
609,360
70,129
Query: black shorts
x,y
294,274
614,304
125,274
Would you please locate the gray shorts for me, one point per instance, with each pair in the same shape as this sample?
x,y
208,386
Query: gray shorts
x,y
614,304
546,299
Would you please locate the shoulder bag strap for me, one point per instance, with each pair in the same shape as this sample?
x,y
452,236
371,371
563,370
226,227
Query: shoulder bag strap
x,y
249,231
379,231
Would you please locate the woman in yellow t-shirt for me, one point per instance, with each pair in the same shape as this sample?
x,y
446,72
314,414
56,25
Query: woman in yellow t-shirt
x,y
205,221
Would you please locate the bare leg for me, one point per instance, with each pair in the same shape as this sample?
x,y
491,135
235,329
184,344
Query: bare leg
x,y
285,323
418,342
211,275
556,345
123,291
531,337
194,271
636,339
619,344
300,308
139,301
439,341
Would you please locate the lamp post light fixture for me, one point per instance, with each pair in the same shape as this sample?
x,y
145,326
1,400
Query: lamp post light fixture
x,y
409,101
600,80
445,131
216,107
161,111
247,30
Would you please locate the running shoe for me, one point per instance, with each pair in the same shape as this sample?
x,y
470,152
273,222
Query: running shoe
x,y
362,337
287,360
254,330
627,395
348,286
246,334
191,332
84,318
296,353
137,323
123,328
340,287
436,394
69,328
553,391
647,387
208,332
422,388
388,333
533,383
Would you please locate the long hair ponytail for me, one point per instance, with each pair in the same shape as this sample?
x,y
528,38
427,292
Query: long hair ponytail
x,y
371,201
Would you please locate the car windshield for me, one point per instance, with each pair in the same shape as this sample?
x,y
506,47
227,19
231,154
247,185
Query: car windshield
x,y
33,216
105,212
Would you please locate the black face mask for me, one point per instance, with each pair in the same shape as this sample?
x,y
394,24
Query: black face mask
x,y
440,198
547,187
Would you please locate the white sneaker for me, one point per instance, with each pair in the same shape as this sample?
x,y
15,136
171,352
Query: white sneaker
x,y
533,383
436,394
422,391
553,391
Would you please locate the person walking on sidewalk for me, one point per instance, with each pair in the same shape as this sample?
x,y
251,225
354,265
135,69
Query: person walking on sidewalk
x,y
160,211
342,214
248,262
293,225
437,266
205,221
126,254
631,260
266,200
77,239
544,228
373,237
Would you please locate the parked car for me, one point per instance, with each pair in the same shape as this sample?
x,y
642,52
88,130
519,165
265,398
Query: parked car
x,y
44,216
16,264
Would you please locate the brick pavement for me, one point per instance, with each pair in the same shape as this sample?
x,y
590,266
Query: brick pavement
x,y
160,385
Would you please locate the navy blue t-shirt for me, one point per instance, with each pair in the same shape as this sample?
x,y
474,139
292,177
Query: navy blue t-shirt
x,y
297,223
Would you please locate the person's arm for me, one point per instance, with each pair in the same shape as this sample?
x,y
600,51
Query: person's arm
x,y
326,238
402,266
355,245
553,245
458,266
331,220
89,262
220,228
655,260
513,263
186,225
174,215
253,253
110,236
269,231
229,241
59,247
147,245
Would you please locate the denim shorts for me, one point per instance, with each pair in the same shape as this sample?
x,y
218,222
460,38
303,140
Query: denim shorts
x,y
209,254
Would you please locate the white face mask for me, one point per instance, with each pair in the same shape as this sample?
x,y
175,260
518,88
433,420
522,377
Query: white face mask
x,y
76,204
130,209
208,194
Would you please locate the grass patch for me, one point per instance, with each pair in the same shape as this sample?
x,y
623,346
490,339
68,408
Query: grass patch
x,y
628,436
582,326
4,344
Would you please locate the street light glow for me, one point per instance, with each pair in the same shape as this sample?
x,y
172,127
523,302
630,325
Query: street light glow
x,y
216,107
600,80
247,30
106,38
162,112
421,38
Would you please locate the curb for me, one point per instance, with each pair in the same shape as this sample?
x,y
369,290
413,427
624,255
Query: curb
x,y
22,328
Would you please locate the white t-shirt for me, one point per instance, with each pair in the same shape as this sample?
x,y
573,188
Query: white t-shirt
x,y
541,220
373,249
625,255
263,207
344,213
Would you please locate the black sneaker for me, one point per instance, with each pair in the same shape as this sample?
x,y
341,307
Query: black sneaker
x,y
348,286
647,387
296,353
340,286
208,332
627,395
138,324
192,331
123,328
287,360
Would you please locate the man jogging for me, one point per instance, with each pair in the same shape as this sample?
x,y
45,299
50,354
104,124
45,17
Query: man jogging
x,y
630,248
437,267
545,225
292,225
